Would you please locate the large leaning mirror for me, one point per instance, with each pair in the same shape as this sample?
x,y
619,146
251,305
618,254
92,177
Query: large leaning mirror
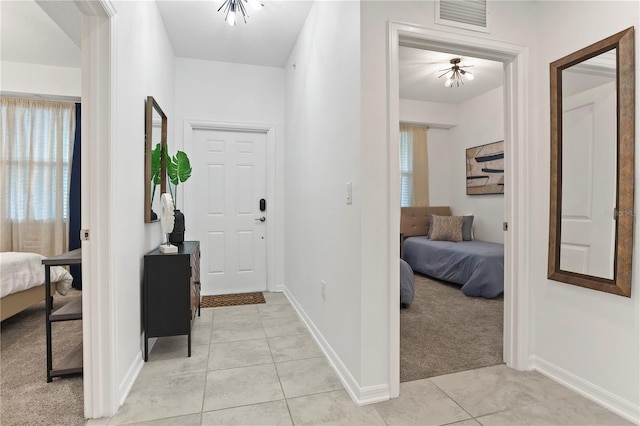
x,y
155,166
592,166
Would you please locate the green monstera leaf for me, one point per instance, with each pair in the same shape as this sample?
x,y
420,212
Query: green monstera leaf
x,y
155,164
156,169
178,169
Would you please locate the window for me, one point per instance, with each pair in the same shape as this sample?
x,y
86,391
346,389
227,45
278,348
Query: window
x,y
406,168
414,174
37,140
35,159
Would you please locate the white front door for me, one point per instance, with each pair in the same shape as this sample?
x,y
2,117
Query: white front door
x,y
228,181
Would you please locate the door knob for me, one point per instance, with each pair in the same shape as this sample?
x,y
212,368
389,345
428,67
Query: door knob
x,y
260,219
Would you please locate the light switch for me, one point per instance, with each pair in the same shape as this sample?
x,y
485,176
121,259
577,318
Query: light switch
x,y
349,193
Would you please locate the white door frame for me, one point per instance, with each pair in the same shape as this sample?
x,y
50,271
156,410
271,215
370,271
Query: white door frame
x,y
272,208
515,58
98,128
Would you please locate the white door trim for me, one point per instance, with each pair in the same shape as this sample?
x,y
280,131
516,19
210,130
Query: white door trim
x,y
98,128
270,130
516,58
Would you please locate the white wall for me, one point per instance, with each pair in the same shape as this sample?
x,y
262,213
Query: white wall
x,y
233,93
480,121
144,67
433,114
40,79
589,339
440,158
323,153
511,21
380,226
579,334
375,160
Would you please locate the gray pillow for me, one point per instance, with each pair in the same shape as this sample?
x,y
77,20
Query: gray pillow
x,y
430,226
447,228
467,228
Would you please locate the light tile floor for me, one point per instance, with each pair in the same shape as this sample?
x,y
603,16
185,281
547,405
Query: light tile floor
x,y
257,365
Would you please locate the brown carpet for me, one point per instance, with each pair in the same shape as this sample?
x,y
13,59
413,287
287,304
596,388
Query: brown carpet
x,y
26,397
232,300
444,331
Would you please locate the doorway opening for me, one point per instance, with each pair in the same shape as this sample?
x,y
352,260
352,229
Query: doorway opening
x,y
455,101
513,57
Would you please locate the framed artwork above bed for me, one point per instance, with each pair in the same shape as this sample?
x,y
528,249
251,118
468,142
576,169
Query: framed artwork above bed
x,y
485,169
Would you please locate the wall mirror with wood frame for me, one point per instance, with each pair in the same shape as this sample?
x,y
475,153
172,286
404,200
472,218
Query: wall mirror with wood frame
x,y
592,165
155,166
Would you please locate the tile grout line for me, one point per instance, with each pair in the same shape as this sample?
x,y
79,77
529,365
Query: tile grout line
x,y
206,374
451,398
275,367
482,415
273,362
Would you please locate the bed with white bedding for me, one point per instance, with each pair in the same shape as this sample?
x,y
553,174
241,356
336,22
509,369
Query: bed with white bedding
x,y
22,281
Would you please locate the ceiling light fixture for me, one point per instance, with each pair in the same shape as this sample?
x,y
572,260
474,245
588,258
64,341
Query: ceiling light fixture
x,y
455,73
233,7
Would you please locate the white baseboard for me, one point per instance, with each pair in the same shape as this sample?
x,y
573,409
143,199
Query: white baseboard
x,y
129,379
373,394
279,288
360,395
595,393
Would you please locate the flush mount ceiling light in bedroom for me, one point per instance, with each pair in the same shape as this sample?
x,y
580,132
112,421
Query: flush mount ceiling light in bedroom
x,y
455,74
232,8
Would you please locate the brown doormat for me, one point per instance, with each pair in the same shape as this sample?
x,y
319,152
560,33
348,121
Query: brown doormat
x,y
232,300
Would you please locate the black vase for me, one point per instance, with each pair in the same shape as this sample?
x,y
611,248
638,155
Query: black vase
x,y
177,236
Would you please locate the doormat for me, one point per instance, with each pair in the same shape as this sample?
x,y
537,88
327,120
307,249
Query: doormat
x,y
232,300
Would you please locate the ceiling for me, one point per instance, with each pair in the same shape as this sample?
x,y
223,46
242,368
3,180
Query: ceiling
x,y
42,40
198,30
420,72
51,33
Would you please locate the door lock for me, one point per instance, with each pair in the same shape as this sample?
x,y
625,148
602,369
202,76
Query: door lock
x,y
260,219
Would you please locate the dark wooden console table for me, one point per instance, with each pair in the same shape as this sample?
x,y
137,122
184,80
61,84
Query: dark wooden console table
x,y
171,293
72,363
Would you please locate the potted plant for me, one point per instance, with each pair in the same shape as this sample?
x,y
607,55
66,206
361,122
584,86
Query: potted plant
x,y
179,171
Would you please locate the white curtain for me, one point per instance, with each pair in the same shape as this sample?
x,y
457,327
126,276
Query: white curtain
x,y
414,160
35,154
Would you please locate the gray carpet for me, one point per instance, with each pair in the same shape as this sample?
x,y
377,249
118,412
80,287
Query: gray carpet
x,y
444,331
26,397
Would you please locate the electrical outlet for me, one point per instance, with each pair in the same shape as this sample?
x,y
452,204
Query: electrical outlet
x,y
323,289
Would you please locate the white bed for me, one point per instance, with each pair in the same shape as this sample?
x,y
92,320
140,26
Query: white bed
x,y
22,281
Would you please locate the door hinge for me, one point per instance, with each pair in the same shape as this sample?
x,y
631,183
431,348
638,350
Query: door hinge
x,y
505,226
84,235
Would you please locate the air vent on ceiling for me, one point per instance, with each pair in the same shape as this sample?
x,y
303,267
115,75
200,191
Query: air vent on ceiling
x,y
468,14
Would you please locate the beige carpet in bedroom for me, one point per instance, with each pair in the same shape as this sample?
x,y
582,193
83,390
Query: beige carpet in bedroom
x,y
444,331
26,397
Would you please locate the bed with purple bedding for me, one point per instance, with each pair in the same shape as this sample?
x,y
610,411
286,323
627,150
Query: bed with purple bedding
x,y
478,266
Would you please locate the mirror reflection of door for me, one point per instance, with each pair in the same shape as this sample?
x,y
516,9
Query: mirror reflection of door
x,y
589,156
